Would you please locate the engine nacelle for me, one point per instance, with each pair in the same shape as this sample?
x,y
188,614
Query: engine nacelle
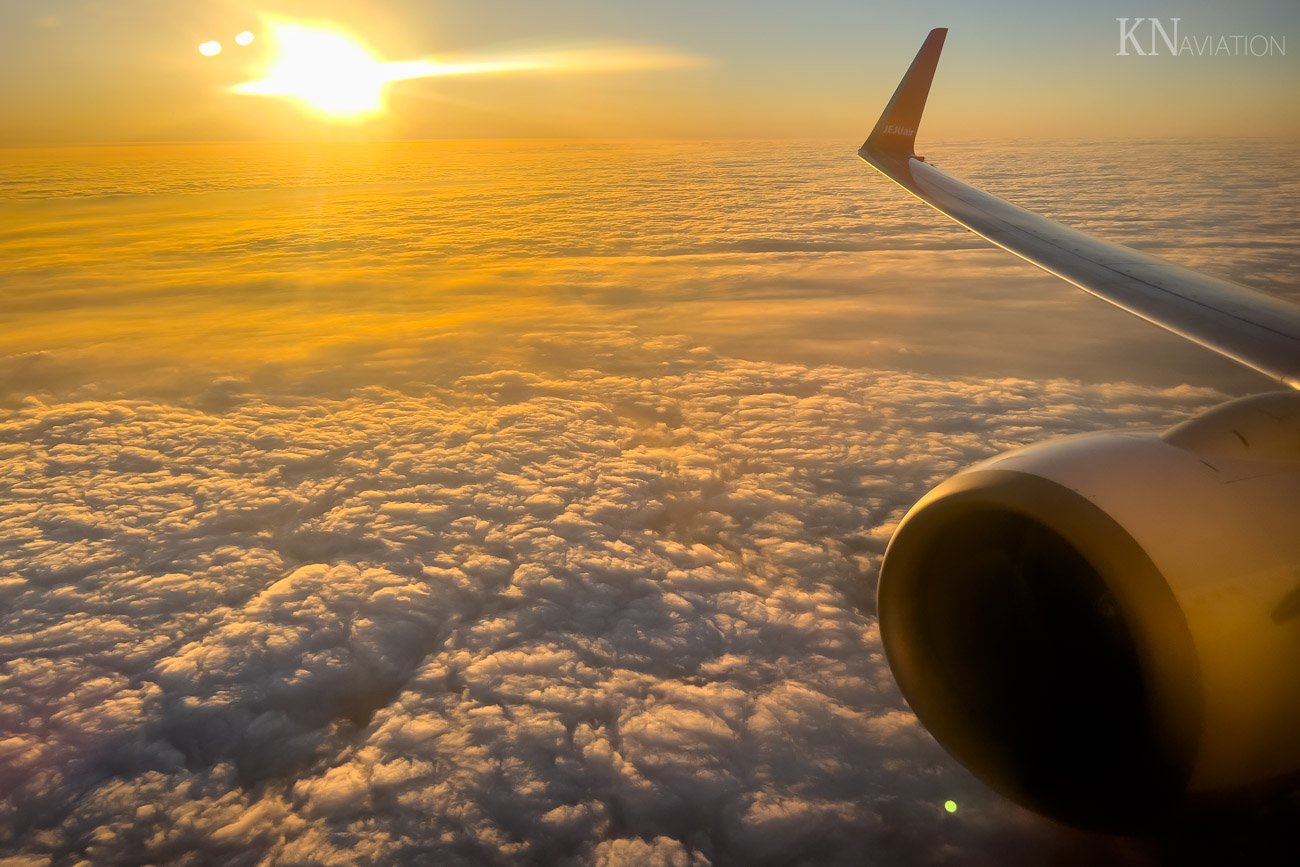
x,y
1106,628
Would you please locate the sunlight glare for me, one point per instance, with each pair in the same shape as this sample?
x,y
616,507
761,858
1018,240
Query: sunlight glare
x,y
327,70
334,74
210,49
245,38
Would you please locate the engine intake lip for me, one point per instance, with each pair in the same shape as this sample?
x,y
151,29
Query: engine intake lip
x,y
1037,641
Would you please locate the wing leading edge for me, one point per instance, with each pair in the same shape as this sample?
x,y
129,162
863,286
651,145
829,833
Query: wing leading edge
x,y
1255,329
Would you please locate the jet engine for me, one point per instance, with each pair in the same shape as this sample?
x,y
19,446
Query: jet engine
x,y
1106,628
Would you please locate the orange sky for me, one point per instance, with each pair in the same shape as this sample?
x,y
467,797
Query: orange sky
x,y
130,71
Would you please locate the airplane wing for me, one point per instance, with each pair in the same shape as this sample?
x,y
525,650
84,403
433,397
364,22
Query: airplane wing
x,y
1255,329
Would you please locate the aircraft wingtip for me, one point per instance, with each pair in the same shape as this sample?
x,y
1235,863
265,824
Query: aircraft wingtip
x,y
895,132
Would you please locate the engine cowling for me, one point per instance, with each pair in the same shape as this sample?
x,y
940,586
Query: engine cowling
x,y
1106,628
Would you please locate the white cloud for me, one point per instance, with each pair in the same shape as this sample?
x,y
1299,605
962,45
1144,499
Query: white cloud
x,y
376,510
596,616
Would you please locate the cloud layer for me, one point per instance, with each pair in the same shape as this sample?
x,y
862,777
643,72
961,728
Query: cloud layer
x,y
491,503
255,261
606,617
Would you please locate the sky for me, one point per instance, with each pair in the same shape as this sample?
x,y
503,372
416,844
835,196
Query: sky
x,y
84,72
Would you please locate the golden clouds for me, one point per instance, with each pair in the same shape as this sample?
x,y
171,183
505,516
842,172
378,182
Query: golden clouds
x,y
402,502
234,256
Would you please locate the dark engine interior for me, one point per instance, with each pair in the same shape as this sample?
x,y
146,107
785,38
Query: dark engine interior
x,y
1020,633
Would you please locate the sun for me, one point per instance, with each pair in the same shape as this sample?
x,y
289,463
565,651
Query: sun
x,y
335,75
327,70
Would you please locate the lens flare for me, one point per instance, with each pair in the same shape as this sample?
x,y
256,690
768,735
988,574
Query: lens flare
x,y
210,49
245,38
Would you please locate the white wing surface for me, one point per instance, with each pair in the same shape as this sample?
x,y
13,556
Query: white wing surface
x,y
1256,329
